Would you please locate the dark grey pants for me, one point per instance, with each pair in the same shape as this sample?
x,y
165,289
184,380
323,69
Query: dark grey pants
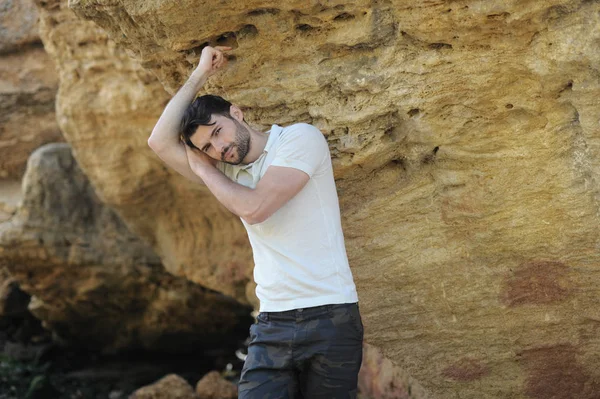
x,y
304,353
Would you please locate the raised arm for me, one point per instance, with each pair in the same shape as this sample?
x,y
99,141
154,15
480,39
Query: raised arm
x,y
165,140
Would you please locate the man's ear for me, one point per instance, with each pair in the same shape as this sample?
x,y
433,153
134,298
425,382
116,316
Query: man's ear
x,y
236,113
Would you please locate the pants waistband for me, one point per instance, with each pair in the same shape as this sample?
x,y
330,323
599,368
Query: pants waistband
x,y
304,313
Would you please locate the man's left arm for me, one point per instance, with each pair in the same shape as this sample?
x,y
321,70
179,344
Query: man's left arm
x,y
298,156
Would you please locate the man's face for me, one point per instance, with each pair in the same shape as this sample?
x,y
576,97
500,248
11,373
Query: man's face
x,y
227,140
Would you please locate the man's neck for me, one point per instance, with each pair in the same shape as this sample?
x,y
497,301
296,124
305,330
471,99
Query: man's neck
x,y
258,142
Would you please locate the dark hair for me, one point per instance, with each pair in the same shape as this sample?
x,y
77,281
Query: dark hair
x,y
199,113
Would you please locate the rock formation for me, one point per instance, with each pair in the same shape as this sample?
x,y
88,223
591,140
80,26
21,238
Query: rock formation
x,y
466,148
171,386
107,107
214,386
93,282
28,84
380,378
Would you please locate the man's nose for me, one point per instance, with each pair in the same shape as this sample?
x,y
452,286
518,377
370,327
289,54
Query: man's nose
x,y
219,146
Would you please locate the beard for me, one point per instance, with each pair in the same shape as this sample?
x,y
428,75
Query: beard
x,y
241,143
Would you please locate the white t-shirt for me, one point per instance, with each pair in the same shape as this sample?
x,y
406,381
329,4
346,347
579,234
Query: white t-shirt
x,y
299,254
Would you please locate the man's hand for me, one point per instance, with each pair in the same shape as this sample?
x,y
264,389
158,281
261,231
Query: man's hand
x,y
211,60
198,160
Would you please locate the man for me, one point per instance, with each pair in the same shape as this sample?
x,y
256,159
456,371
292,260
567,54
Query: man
x,y
307,341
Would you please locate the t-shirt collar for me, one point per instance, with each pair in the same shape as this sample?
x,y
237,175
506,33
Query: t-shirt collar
x,y
273,134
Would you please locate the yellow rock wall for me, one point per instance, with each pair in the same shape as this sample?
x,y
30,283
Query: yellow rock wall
x,y
466,144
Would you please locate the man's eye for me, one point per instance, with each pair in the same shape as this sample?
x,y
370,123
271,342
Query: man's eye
x,y
218,130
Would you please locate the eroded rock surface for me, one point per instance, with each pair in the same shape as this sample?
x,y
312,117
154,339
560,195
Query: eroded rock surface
x,y
93,282
214,386
466,145
107,107
18,25
28,85
380,378
171,386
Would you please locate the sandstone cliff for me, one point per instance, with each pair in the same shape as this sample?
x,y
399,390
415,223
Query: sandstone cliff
x,y
466,146
28,84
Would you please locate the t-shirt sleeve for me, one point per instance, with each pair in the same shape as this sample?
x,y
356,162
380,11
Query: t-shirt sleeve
x,y
225,168
301,146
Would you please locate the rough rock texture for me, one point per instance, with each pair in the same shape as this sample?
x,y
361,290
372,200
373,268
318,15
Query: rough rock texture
x,y
107,106
213,386
28,85
466,144
92,281
10,195
18,25
380,378
171,386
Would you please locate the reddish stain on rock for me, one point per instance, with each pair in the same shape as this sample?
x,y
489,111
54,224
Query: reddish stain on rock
x,y
536,282
553,372
466,369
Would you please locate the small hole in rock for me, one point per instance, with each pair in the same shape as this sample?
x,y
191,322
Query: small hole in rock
x,y
344,16
439,46
509,106
304,27
414,111
398,163
262,11
226,37
248,32
429,158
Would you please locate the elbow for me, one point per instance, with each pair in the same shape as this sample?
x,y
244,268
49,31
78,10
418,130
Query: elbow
x,y
255,217
154,144
252,219
151,143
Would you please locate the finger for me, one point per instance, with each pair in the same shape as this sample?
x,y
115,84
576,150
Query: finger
x,y
223,48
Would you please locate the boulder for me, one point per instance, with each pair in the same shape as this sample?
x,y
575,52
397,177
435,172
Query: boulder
x,y
214,386
18,25
171,386
93,282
